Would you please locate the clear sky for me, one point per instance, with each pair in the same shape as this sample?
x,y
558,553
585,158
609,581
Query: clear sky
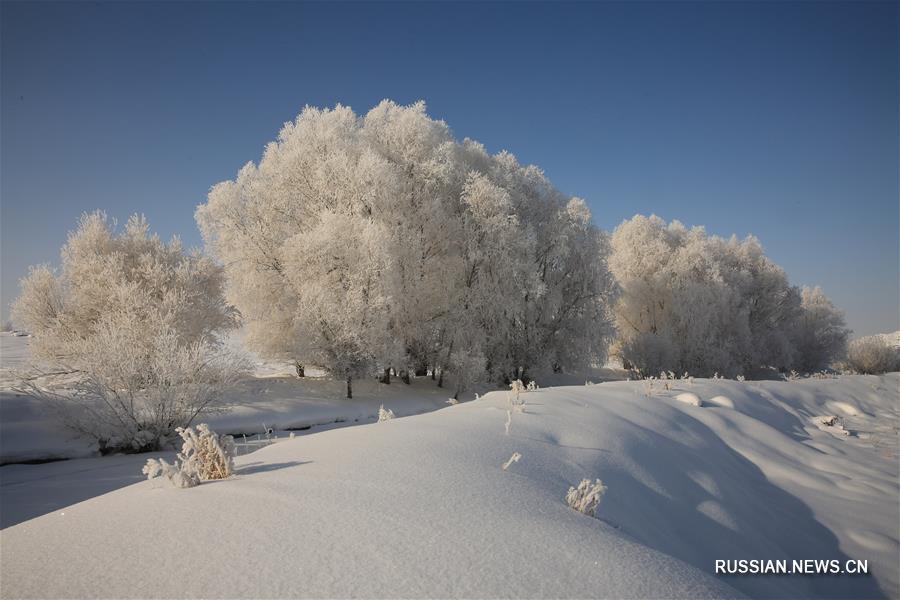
x,y
773,118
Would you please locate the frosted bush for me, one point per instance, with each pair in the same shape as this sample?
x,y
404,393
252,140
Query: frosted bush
x,y
532,386
205,453
385,414
204,456
872,355
586,497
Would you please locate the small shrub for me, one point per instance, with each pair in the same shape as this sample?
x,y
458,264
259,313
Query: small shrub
x,y
204,456
872,356
385,414
586,497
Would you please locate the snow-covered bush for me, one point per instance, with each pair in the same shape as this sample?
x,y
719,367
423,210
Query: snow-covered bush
x,y
872,355
204,456
175,475
456,253
586,497
138,322
385,414
204,452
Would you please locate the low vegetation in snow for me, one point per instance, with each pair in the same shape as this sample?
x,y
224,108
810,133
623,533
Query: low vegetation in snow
x,y
586,497
204,456
385,414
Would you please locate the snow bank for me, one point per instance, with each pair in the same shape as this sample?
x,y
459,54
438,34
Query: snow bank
x,y
423,508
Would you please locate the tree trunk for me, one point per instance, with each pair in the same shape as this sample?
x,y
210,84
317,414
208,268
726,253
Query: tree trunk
x,y
349,387
301,372
404,376
441,379
386,378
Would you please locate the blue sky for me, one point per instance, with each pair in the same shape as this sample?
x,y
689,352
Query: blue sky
x,y
773,118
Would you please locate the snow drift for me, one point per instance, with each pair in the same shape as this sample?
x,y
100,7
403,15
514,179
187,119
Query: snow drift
x,y
422,506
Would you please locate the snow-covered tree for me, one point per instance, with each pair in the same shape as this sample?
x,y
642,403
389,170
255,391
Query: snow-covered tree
x,y
377,242
704,304
872,355
820,335
138,321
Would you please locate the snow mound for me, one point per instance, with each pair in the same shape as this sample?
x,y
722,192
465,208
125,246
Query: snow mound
x,y
721,401
689,398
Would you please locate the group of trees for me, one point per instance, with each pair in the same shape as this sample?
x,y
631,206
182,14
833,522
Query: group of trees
x,y
379,242
704,304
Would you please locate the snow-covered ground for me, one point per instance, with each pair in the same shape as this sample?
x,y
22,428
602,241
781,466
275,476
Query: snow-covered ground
x,y
273,398
420,506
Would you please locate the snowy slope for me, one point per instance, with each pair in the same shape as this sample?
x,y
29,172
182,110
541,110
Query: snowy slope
x,y
419,506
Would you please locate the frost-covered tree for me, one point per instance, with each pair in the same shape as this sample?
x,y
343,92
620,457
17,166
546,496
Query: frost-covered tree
x,y
704,304
377,242
872,355
820,335
138,321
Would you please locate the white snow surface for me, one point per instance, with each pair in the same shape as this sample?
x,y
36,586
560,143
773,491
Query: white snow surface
x,y
421,507
273,397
